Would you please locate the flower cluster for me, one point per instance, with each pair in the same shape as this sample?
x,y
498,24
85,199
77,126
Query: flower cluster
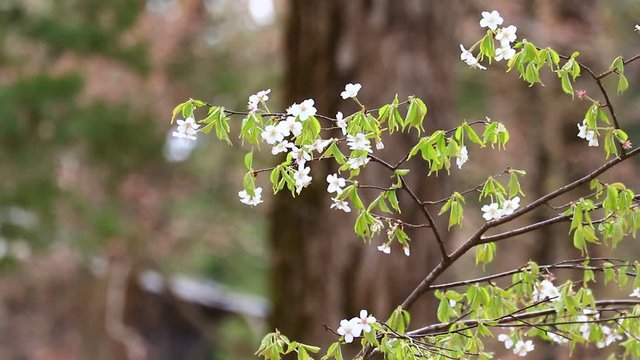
x,y
283,135
504,35
493,211
254,200
587,315
470,59
256,99
350,91
585,133
353,328
186,129
546,290
521,347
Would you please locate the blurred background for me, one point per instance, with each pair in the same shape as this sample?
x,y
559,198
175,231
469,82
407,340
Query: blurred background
x,y
120,242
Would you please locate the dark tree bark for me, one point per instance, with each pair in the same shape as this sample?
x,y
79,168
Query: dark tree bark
x,y
321,272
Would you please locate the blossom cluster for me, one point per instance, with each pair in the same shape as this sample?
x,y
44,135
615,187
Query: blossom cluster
x,y
546,290
588,135
521,348
504,35
186,129
494,211
282,135
351,329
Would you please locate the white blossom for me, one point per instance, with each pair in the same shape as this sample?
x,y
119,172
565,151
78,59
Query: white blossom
x,y
254,100
636,28
546,290
463,157
491,19
385,248
366,320
582,129
469,59
302,111
186,129
504,52
281,147
350,329
511,205
302,178
453,303
590,312
300,156
465,54
341,123
585,133
319,145
506,35
377,226
336,183
587,315
611,337
272,135
492,212
350,91
359,142
523,347
557,338
340,205
379,144
357,162
407,250
635,292
290,126
252,105
506,339
254,200
585,329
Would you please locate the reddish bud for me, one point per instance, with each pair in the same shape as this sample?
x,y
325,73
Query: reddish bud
x,y
582,94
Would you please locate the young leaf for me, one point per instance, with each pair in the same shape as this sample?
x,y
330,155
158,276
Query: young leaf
x,y
248,160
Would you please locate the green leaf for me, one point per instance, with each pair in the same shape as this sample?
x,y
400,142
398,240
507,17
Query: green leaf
x,y
333,352
617,65
472,135
566,83
485,253
393,200
248,160
608,272
415,114
623,84
176,111
486,47
513,186
399,320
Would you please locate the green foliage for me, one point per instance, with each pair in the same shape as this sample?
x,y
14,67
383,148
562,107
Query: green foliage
x,y
454,206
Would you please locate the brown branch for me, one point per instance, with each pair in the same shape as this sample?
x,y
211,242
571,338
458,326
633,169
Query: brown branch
x,y
556,266
625,62
427,215
600,305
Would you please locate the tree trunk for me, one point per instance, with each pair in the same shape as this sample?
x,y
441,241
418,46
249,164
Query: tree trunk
x,y
321,272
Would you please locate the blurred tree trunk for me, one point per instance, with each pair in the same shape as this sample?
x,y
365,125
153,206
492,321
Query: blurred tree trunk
x,y
321,272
